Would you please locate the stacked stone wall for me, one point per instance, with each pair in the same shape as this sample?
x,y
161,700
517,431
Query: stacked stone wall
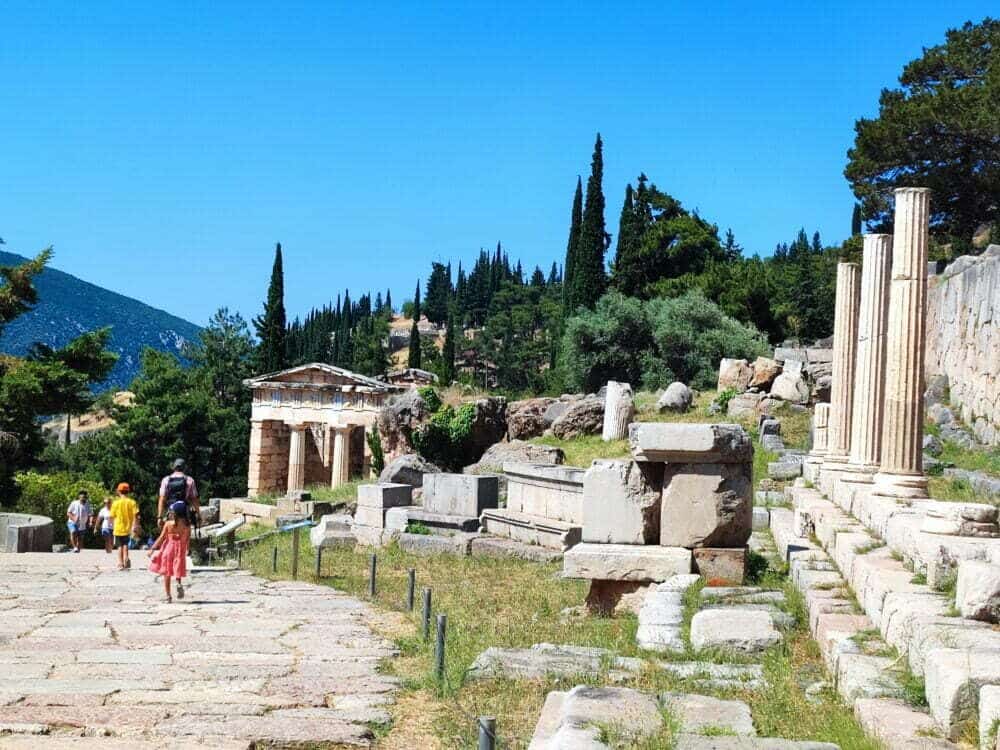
x,y
270,441
315,471
963,338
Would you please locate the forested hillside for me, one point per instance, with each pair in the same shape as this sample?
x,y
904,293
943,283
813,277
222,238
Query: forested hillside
x,y
69,306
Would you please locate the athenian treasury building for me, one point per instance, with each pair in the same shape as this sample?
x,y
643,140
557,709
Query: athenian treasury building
x,y
309,427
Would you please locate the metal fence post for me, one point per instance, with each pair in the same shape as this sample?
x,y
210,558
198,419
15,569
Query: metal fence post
x,y
274,558
442,626
319,561
239,557
295,553
487,733
411,582
427,614
371,577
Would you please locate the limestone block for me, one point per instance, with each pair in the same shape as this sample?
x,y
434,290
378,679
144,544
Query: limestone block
x,y
545,491
397,519
434,544
619,409
761,518
989,715
676,398
765,370
548,660
864,676
784,470
977,592
960,519
734,374
660,619
790,387
382,496
571,720
697,713
727,742
365,515
625,562
953,678
733,628
330,529
460,494
721,567
621,502
676,442
706,505
897,725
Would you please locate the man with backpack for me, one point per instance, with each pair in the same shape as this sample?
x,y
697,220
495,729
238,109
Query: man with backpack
x,y
178,493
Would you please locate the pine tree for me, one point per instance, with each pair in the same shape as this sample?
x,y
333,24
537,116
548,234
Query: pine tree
x,y
589,278
414,357
538,278
575,222
856,220
270,326
448,353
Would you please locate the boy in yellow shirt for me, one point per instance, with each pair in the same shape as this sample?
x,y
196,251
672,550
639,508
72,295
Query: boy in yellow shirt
x,y
125,513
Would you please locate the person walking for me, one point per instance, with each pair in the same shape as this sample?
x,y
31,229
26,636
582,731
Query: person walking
x,y
169,558
107,524
125,512
78,518
179,493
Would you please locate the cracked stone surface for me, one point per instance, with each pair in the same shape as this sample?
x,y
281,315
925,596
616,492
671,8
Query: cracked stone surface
x,y
239,662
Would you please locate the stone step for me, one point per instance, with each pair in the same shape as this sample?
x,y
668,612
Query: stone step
x,y
529,529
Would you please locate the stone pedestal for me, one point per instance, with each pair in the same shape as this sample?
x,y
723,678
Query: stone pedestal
x,y
901,470
297,458
869,376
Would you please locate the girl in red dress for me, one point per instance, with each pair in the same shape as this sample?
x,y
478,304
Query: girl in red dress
x,y
170,556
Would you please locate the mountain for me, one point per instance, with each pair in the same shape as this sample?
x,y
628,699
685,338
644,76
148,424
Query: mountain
x,y
68,306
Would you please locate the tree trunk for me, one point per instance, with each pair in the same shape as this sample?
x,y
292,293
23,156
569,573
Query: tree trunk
x,y
619,410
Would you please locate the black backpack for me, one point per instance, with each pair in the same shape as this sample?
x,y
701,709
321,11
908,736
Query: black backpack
x,y
177,493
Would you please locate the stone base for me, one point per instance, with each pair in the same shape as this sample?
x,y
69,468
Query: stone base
x,y
811,469
906,486
604,597
522,527
500,547
626,562
372,536
721,567
435,544
397,519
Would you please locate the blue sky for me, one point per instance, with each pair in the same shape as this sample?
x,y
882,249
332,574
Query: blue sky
x,y
164,150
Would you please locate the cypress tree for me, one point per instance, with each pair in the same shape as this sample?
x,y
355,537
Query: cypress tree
x,y
589,279
575,222
388,301
856,220
553,274
448,353
270,326
414,357
629,276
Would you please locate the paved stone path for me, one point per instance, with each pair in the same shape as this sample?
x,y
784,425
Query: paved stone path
x,y
93,656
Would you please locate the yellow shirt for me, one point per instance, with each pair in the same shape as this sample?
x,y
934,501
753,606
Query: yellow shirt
x,y
124,510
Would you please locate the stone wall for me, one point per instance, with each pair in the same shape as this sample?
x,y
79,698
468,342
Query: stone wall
x,y
21,532
963,338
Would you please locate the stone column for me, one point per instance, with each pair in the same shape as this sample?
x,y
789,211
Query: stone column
x,y
869,376
619,410
901,471
814,460
338,470
297,458
845,339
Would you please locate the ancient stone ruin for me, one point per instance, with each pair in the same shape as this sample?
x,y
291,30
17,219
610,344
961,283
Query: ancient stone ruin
x,y
682,503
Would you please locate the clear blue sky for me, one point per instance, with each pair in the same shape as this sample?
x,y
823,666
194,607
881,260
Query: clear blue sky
x,y
164,150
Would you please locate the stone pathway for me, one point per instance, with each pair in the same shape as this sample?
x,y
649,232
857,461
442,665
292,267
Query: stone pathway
x,y
93,656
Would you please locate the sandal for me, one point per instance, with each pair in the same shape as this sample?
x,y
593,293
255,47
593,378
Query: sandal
x,y
169,600
180,591
121,567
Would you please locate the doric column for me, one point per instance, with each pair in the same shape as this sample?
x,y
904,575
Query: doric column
x,y
297,458
901,471
869,375
845,340
338,471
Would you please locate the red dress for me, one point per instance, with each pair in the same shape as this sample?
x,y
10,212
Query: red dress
x,y
171,558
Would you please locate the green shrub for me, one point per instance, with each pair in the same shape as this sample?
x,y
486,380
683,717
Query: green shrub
x,y
445,440
725,397
430,397
654,342
50,495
